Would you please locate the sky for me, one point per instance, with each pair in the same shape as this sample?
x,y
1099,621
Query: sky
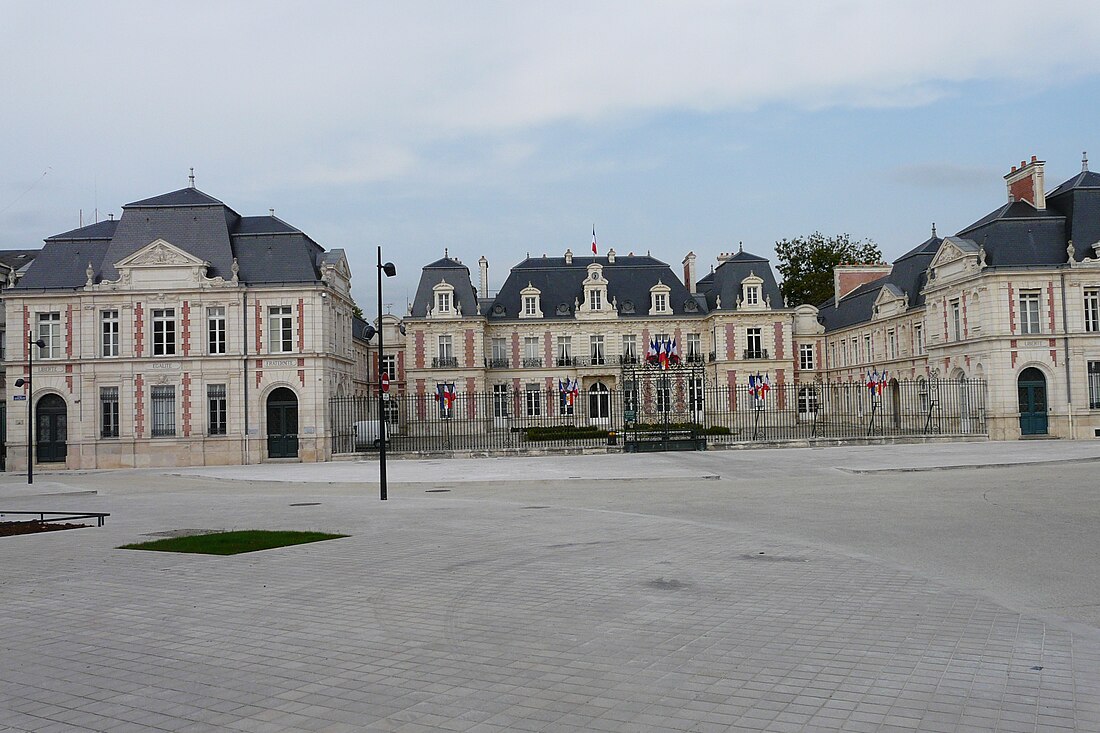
x,y
512,128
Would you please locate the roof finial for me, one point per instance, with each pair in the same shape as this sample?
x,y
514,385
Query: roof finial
x,y
445,253
1085,162
271,213
740,247
934,229
191,178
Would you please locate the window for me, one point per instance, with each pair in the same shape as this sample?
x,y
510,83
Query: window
x,y
389,366
499,351
501,400
844,353
596,348
869,344
215,329
533,400
956,320
444,352
752,295
694,348
108,321
753,348
630,348
891,345
216,408
565,407
164,410
164,331
918,337
805,356
664,395
695,395
1029,311
565,351
1094,385
595,300
443,302
660,302
531,357
3,348
1092,310
108,412
49,330
530,305
280,329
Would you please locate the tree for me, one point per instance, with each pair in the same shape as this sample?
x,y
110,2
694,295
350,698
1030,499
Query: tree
x,y
806,264
357,311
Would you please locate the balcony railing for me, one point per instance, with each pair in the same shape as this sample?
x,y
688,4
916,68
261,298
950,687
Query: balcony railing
x,y
496,363
531,362
694,358
441,362
628,359
566,361
756,353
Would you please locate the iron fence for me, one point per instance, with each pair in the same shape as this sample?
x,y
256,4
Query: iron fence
x,y
656,410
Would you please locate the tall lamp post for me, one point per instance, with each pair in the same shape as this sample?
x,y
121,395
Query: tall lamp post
x,y
390,271
31,343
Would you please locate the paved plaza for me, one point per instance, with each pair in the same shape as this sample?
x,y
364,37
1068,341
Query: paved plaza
x,y
949,587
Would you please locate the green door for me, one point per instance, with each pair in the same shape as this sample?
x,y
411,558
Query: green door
x,y
1032,388
51,430
282,424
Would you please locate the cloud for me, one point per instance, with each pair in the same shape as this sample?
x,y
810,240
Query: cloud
x,y
943,175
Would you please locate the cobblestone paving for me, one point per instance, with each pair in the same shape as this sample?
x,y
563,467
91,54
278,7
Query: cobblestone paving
x,y
442,613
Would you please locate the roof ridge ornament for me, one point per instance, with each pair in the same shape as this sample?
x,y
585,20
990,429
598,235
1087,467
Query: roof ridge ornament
x,y
191,178
934,235
740,247
1085,162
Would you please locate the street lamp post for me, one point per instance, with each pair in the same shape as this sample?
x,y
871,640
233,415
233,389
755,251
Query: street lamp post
x,y
390,271
31,343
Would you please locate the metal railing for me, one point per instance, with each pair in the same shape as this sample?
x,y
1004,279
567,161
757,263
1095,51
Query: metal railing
x,y
519,419
756,353
444,361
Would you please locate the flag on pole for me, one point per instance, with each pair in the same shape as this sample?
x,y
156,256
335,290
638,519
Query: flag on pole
x,y
662,354
767,385
445,394
593,239
872,380
754,385
882,382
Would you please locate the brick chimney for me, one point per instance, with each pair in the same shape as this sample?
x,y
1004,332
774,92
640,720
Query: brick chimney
x,y
1025,183
847,278
689,272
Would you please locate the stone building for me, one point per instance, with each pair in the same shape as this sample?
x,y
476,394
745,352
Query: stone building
x,y
181,334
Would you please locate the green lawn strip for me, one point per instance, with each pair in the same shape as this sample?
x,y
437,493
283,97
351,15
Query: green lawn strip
x,y
232,543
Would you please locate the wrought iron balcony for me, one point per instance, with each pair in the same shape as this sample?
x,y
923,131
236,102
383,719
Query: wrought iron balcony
x,y
756,353
531,362
694,358
628,359
496,363
441,362
566,361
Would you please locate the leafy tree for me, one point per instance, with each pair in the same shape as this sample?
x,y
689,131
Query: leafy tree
x,y
806,264
357,311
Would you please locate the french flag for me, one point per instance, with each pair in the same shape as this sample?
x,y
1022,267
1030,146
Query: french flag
x,y
593,239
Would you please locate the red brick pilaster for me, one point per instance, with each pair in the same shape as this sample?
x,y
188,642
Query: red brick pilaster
x,y
259,327
26,330
547,349
679,342
469,348
139,406
515,350
400,367
185,401
69,332
780,391
185,326
731,342
302,376
471,402
1011,313
139,329
421,399
259,371
302,326
731,384
778,328
1050,303
418,340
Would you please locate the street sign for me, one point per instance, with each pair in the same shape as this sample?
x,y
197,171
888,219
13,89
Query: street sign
x,y
18,397
385,382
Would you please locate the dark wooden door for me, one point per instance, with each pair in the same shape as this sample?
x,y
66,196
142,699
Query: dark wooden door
x,y
51,430
1032,388
282,424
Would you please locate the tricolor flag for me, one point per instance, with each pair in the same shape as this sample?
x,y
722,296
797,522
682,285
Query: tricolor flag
x,y
593,239
872,381
882,382
767,385
651,352
754,385
445,394
662,354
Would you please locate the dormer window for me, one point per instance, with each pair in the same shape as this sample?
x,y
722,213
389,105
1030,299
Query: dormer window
x,y
595,300
752,292
752,295
530,302
443,300
659,299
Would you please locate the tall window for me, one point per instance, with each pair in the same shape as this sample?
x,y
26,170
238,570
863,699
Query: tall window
x,y
694,347
49,330
1092,310
443,302
891,345
565,351
164,331
216,408
595,300
752,295
530,305
660,302
1029,311
389,366
753,347
531,356
163,398
805,356
499,352
108,326
108,412
596,347
918,337
664,395
956,320
446,350
695,395
869,344
630,348
280,329
533,400
1094,385
215,330
501,400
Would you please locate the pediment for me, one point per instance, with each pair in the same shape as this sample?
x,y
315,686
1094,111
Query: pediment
x,y
953,249
890,301
160,253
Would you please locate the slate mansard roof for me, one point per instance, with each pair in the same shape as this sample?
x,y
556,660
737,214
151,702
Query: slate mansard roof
x,y
725,281
561,284
267,249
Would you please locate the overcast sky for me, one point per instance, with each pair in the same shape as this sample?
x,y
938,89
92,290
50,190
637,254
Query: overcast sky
x,y
504,128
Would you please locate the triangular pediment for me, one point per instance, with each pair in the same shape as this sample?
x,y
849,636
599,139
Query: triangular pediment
x,y
954,248
888,294
160,253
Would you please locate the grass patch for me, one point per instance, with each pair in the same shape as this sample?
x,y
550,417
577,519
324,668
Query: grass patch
x,y
232,543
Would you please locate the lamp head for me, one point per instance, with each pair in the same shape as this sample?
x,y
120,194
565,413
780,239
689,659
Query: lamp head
x,y
389,269
20,382
40,344
369,331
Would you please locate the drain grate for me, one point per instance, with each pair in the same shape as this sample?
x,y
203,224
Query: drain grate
x,y
534,507
307,503
436,491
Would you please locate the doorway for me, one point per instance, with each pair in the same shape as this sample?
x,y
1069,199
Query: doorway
x,y
282,424
51,429
1032,389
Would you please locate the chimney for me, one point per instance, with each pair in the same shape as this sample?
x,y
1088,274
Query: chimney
x,y
689,272
611,256
569,257
1026,183
483,265
847,278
